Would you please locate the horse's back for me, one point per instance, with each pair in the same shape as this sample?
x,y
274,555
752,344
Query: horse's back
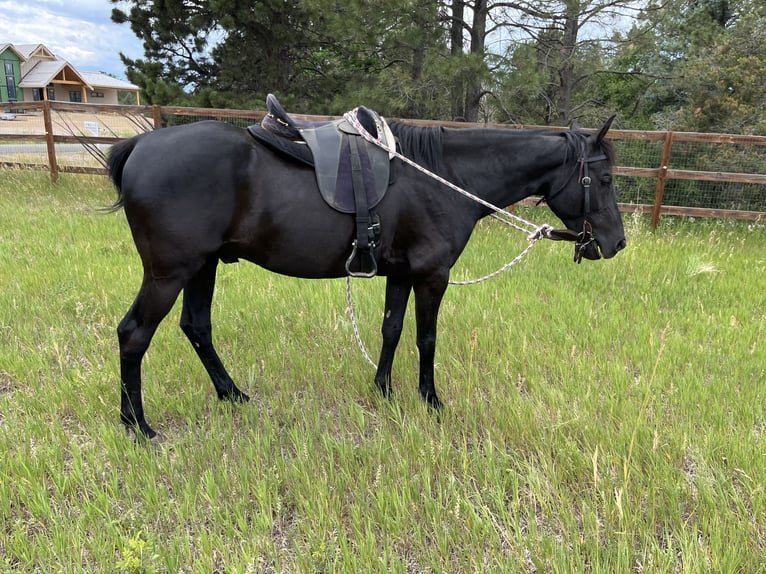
x,y
185,153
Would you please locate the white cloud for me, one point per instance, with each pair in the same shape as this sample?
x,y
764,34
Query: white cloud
x,y
79,31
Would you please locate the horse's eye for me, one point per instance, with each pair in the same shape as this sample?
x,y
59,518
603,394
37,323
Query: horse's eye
x,y
606,179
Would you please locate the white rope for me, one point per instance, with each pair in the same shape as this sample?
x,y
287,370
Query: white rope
x,y
535,233
353,323
532,229
503,269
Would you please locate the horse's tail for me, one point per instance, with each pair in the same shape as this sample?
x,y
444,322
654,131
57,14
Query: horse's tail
x,y
115,164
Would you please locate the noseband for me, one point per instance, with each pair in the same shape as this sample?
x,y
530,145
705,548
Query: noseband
x,y
585,237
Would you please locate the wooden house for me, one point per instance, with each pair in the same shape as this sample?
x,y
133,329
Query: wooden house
x,y
33,73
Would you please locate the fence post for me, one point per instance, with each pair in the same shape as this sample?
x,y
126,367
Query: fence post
x,y
49,141
157,114
661,176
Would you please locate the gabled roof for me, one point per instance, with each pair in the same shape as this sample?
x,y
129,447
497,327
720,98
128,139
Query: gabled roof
x,y
37,50
13,48
45,71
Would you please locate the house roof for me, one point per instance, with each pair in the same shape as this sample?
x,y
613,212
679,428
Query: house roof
x,y
45,71
29,49
14,49
101,80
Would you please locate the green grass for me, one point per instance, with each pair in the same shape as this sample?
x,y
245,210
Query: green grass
x,y
606,417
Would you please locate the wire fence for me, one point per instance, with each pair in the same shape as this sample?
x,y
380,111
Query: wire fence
x,y
679,173
700,171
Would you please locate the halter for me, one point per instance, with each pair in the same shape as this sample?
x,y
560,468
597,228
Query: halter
x,y
585,237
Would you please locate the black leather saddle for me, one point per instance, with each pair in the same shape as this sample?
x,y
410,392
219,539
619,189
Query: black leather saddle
x,y
281,124
352,174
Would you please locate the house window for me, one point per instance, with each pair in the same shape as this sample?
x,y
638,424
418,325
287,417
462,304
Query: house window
x,y
97,94
51,93
37,94
10,82
75,96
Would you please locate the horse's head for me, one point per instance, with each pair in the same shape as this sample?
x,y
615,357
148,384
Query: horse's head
x,y
586,200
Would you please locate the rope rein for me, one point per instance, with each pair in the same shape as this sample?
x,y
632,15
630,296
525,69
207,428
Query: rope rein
x,y
534,232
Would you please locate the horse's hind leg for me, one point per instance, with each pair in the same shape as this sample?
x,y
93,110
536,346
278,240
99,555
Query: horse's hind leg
x,y
195,322
135,332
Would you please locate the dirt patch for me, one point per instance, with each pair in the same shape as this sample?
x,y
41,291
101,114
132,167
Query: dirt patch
x,y
7,384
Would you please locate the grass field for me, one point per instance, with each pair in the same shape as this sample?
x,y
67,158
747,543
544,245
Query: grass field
x,y
606,417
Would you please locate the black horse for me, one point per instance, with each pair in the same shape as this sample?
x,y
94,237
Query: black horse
x,y
206,192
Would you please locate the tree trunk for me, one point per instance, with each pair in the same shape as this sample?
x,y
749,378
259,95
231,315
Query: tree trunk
x,y
456,50
566,72
474,88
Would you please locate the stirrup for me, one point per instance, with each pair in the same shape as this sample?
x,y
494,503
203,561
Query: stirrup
x,y
364,274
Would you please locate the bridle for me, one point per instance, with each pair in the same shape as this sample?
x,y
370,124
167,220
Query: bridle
x,y
585,237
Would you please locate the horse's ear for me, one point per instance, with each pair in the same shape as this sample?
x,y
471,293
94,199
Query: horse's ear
x,y
602,133
574,126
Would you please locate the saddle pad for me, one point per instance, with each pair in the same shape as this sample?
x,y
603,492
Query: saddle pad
x,y
330,148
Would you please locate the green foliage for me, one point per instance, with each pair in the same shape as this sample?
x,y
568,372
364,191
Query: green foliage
x,y
524,87
155,88
681,64
726,86
696,66
316,54
175,36
126,98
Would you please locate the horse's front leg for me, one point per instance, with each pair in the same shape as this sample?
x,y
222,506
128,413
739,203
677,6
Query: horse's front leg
x,y
397,294
428,298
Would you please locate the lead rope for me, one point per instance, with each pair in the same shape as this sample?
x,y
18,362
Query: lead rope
x,y
352,314
535,233
505,216
353,323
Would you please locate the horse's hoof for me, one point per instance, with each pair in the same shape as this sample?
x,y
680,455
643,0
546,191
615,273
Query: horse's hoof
x,y
435,402
432,401
234,396
147,431
385,389
140,428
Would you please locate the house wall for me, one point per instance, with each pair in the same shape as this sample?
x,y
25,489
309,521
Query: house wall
x,y
62,94
109,96
28,96
10,56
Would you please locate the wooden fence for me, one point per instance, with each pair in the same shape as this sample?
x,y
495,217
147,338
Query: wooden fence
x,y
649,162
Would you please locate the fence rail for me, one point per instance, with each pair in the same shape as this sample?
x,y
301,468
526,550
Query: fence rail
x,y
658,172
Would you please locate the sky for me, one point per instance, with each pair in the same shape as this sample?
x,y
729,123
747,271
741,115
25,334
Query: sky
x,y
78,31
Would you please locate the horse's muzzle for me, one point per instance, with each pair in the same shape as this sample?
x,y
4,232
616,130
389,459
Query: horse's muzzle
x,y
588,251
595,249
607,253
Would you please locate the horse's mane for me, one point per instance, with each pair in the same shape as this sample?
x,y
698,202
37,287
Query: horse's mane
x,y
421,145
424,145
576,142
